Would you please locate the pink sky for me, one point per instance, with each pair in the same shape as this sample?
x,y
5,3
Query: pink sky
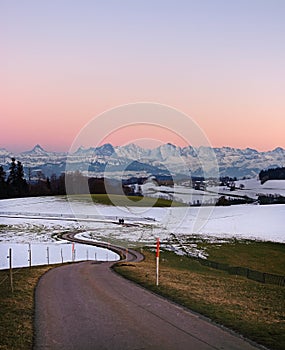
x,y
63,63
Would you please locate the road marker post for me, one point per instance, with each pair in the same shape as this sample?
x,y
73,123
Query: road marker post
x,y
157,260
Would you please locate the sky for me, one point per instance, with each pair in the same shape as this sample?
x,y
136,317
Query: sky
x,y
64,62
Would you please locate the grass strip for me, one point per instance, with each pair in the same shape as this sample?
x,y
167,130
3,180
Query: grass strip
x,y
257,255
17,309
120,200
252,309
261,256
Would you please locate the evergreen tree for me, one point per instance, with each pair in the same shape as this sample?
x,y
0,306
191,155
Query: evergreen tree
x,y
3,185
19,173
2,174
12,172
48,184
17,185
20,182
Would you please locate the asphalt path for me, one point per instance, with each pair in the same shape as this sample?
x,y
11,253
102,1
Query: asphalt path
x,y
88,306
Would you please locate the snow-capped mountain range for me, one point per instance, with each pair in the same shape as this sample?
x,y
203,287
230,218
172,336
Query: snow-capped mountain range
x,y
134,160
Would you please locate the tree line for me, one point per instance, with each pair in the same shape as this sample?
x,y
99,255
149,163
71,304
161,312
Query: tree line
x,y
272,174
13,183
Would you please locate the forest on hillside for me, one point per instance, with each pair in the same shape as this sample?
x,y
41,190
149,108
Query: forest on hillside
x,y
272,174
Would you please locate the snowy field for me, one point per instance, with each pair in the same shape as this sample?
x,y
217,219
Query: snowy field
x,y
248,187
253,188
40,220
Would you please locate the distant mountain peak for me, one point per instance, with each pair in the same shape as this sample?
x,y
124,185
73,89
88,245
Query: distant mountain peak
x,y
278,149
169,145
104,150
81,148
4,152
37,150
106,146
38,147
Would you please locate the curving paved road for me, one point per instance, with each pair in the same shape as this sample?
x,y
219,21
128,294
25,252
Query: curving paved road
x,y
86,306
130,254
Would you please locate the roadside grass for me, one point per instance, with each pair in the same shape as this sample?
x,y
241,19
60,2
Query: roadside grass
x,y
120,200
17,310
257,255
262,256
252,309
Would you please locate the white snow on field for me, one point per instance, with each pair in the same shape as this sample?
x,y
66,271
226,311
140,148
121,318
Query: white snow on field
x,y
248,187
39,220
265,222
253,188
179,193
269,187
244,221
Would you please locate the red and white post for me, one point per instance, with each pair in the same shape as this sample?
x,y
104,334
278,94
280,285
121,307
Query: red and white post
x,y
157,260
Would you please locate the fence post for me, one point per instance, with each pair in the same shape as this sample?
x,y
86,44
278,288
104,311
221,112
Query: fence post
x,y
30,255
48,255
11,270
61,255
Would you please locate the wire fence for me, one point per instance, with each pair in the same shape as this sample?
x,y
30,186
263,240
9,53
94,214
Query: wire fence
x,y
72,217
262,277
6,274
254,275
31,255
